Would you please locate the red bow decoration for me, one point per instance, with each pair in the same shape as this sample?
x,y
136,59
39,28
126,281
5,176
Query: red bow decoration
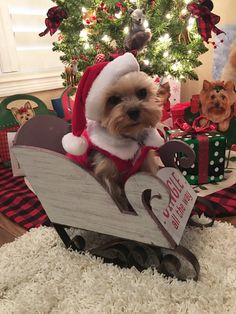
x,y
55,16
196,127
206,20
22,110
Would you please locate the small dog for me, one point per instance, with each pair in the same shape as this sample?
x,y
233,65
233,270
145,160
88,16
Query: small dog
x,y
24,113
229,70
131,107
164,92
217,102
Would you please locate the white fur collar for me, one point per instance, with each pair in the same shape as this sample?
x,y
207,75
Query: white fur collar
x,y
123,148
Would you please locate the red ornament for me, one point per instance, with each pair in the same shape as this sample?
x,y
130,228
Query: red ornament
x,y
100,58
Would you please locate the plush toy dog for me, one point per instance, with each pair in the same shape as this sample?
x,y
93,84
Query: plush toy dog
x,y
113,125
138,36
24,113
217,102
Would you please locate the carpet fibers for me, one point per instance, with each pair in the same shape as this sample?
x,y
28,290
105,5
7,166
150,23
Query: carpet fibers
x,y
38,275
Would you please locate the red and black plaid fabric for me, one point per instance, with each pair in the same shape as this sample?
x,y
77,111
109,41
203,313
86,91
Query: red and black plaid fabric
x,y
223,203
55,16
4,149
18,203
206,20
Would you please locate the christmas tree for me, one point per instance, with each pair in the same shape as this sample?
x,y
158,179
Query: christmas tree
x,y
163,35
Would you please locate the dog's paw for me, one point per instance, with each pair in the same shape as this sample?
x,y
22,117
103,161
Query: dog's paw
x,y
223,126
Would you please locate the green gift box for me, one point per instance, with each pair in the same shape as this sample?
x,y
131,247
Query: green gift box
x,y
209,148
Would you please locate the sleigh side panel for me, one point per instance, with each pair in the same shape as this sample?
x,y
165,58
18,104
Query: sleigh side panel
x,y
72,197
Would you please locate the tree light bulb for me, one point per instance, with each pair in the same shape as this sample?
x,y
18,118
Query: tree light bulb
x,y
106,38
164,38
84,34
165,54
145,24
189,52
168,16
126,30
86,46
84,10
146,62
118,15
191,22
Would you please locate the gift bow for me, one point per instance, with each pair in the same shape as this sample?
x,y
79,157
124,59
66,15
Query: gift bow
x,y
55,16
206,20
22,110
196,127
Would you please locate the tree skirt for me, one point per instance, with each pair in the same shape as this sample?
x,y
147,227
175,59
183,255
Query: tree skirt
x,y
40,276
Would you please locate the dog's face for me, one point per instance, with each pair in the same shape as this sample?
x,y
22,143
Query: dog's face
x,y
131,105
216,100
24,113
164,92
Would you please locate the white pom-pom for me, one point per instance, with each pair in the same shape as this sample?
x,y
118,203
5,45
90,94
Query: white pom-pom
x,y
74,145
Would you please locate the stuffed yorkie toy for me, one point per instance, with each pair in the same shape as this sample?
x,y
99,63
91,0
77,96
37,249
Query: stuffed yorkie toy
x,y
114,122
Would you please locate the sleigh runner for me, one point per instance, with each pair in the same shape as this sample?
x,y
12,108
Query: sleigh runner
x,y
147,236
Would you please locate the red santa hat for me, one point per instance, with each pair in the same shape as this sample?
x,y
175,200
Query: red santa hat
x,y
89,100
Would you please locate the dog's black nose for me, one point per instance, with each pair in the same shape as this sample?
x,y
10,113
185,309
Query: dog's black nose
x,y
133,113
217,105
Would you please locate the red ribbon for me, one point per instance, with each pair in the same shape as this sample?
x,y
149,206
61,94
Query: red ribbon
x,y
55,16
206,20
203,152
22,110
196,127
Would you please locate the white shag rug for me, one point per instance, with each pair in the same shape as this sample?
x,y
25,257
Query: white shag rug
x,y
38,275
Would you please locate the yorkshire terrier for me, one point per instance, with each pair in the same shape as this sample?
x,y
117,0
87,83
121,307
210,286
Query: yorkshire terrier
x,y
217,102
24,113
131,107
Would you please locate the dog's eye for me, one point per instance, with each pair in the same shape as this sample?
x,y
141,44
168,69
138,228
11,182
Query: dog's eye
x,y
223,97
113,101
141,93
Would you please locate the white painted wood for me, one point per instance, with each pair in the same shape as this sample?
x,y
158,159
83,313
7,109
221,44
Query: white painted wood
x,y
71,196
8,55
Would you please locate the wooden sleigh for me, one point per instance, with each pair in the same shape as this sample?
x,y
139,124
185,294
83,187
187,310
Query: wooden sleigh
x,y
72,197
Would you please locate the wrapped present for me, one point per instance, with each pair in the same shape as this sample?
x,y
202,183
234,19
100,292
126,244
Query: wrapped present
x,y
209,146
16,110
190,111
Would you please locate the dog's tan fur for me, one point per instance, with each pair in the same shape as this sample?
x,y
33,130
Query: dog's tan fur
x,y
134,91
218,104
164,92
24,115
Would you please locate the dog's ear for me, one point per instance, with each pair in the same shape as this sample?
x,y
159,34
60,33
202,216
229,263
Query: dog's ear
x,y
206,85
166,86
28,105
14,111
229,86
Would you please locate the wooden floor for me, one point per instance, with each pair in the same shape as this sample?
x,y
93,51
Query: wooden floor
x,y
9,230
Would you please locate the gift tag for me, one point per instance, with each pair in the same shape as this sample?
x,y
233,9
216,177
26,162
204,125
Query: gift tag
x,y
175,216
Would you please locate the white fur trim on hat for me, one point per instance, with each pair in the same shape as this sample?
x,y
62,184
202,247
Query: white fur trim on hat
x,y
108,76
74,145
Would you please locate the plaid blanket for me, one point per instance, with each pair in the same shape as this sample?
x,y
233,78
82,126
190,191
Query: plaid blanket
x,y
22,206
18,203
